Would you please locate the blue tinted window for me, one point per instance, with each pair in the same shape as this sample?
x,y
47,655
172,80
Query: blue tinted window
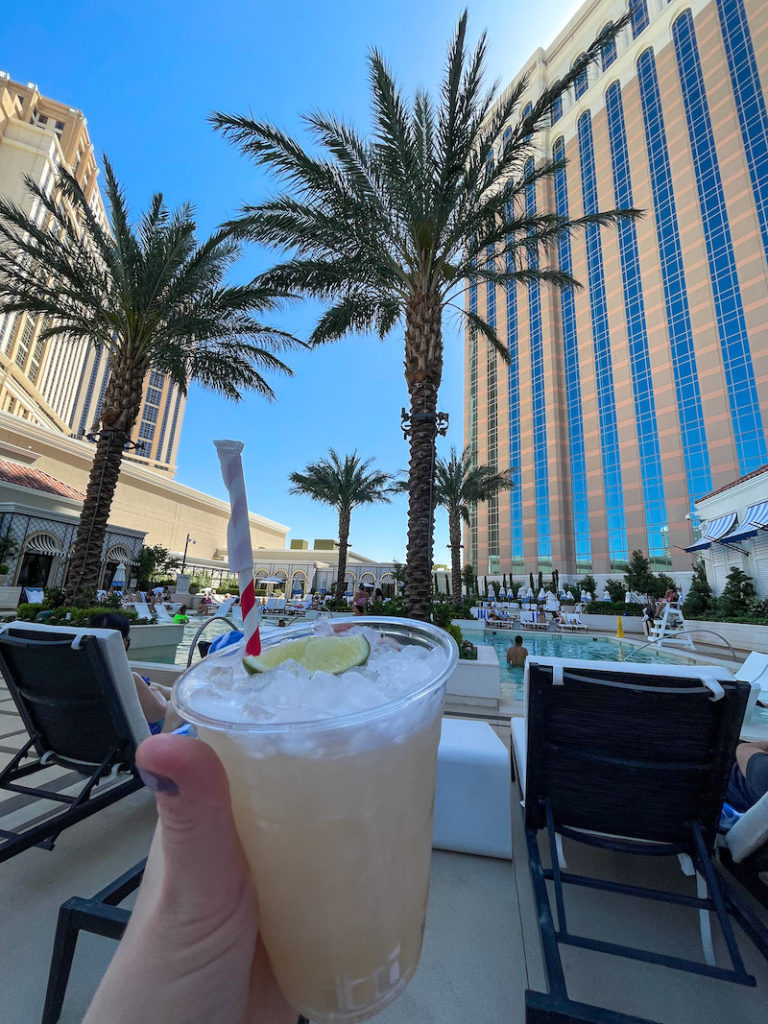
x,y
606,402
538,398
581,83
574,407
637,336
639,17
608,51
695,451
749,435
750,101
557,109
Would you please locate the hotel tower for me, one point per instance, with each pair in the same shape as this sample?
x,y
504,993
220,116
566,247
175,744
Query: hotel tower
x,y
629,399
56,384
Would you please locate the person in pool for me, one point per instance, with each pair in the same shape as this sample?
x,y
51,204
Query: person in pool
x,y
181,615
517,654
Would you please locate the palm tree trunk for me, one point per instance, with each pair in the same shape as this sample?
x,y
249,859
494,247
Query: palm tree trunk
x,y
454,537
85,564
344,519
120,409
423,370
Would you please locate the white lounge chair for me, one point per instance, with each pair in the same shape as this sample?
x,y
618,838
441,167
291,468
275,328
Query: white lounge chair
x,y
527,621
572,621
142,610
162,614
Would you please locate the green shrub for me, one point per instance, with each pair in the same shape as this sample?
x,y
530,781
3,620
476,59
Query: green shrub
x,y
738,597
614,608
699,599
27,611
616,589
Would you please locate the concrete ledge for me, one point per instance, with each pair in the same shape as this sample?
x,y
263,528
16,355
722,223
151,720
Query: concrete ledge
x,y
477,679
164,634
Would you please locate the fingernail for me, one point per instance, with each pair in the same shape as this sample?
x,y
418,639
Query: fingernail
x,y
158,783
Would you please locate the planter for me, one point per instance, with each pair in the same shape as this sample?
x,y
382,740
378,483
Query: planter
x,y
4,577
477,682
156,642
9,598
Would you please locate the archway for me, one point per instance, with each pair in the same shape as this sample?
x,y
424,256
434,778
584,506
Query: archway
x,y
39,561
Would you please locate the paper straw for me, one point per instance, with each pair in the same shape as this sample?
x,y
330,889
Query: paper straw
x,y
239,540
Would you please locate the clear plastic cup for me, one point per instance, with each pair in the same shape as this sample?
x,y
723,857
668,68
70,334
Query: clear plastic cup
x,y
335,817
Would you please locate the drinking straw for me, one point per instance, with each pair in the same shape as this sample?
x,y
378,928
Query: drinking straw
x,y
239,540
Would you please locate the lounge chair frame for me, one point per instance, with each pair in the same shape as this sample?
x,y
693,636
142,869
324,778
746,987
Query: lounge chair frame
x,y
101,915
82,726
579,769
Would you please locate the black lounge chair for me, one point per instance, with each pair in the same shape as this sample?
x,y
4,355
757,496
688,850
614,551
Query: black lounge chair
x,y
100,915
75,694
633,760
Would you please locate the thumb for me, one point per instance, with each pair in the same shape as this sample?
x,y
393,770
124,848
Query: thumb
x,y
203,866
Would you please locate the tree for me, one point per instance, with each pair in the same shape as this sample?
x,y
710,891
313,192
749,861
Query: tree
x,y
459,487
151,296
699,600
639,577
391,228
344,486
738,596
469,580
154,563
616,589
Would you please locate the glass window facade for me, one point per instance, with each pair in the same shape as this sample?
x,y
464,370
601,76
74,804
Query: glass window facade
x,y
601,337
538,400
748,432
608,52
574,404
749,97
639,17
492,399
688,392
646,419
471,555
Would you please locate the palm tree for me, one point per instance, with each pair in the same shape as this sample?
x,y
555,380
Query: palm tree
x,y
151,296
459,486
391,229
343,486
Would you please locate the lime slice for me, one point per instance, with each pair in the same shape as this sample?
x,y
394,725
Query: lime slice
x,y
334,654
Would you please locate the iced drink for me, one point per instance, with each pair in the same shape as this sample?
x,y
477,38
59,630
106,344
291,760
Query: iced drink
x,y
332,780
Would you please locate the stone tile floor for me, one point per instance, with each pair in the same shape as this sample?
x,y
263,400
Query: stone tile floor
x,y
481,946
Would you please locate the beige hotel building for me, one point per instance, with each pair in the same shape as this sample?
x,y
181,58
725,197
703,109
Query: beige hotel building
x,y
628,400
54,384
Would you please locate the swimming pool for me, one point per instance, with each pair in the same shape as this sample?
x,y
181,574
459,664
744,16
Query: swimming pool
x,y
566,645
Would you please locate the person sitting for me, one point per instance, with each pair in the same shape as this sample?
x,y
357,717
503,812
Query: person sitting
x,y
649,616
360,600
748,781
181,615
517,654
317,603
378,594
154,699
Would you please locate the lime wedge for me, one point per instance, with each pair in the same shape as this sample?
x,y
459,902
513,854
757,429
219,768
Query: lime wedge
x,y
334,654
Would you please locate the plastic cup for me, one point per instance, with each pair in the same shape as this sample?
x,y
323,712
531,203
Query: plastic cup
x,y
335,817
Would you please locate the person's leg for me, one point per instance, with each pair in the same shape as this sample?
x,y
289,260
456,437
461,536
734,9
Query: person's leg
x,y
153,705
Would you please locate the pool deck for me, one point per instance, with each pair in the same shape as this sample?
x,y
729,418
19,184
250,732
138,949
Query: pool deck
x,y
481,947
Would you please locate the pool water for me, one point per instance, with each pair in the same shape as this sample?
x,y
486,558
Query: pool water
x,y
565,645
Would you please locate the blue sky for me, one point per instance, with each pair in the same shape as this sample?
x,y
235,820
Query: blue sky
x,y
147,74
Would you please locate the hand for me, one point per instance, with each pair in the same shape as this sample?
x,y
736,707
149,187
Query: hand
x,y
191,951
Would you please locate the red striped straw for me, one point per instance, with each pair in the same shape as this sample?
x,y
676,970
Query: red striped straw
x,y
239,547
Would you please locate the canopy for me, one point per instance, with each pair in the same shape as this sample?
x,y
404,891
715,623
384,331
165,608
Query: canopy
x,y
270,579
44,544
119,578
755,520
714,530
